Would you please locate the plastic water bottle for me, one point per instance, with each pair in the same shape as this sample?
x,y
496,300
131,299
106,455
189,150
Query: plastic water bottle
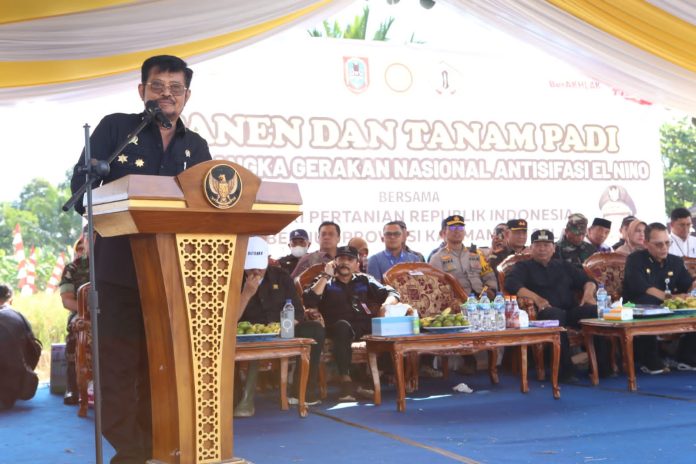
x,y
287,320
508,311
602,301
472,312
515,316
499,311
484,307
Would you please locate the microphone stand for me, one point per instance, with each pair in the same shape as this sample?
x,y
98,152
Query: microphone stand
x,y
95,170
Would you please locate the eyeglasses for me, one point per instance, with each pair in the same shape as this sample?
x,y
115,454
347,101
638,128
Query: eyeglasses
x,y
666,244
392,234
175,88
455,227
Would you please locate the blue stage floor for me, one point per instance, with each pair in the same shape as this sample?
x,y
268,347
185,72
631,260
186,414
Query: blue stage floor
x,y
495,424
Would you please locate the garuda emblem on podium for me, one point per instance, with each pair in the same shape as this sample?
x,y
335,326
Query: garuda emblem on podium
x,y
222,186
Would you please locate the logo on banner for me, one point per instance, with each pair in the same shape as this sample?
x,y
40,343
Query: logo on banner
x,y
356,73
222,186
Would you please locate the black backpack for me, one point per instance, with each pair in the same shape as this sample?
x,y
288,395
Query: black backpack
x,y
32,346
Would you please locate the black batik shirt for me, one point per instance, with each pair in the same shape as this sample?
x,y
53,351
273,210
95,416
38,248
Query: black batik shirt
x,y
642,271
144,155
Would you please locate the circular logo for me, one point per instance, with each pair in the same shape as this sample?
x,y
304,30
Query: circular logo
x,y
287,324
222,186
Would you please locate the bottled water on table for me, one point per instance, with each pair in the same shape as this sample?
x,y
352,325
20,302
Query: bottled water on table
x,y
287,320
499,311
472,312
485,313
602,301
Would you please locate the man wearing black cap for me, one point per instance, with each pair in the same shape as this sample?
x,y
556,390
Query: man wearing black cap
x,y
342,298
573,248
552,285
468,266
298,244
515,238
598,233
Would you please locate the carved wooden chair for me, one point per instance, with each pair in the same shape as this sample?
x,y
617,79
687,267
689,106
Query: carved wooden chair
x,y
83,355
429,291
690,264
359,349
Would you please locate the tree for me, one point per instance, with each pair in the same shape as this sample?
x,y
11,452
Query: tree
x,y
356,30
678,146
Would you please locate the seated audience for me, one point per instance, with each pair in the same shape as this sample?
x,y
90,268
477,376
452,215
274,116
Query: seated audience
x,y
329,236
634,238
552,285
514,242
597,234
683,243
75,274
622,231
573,248
264,292
17,378
299,244
468,266
651,276
360,244
342,297
393,253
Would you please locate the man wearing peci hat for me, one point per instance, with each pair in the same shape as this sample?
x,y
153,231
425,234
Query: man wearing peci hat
x,y
573,248
515,240
264,292
343,296
597,234
552,285
299,244
468,266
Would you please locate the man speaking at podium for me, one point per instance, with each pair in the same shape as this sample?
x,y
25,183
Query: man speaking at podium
x,y
157,150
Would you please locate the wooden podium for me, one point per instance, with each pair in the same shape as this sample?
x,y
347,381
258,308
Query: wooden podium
x,y
189,237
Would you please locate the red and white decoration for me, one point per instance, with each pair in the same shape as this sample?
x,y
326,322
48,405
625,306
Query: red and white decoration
x,y
57,273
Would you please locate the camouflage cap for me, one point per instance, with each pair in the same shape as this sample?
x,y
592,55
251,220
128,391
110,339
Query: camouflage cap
x,y
577,224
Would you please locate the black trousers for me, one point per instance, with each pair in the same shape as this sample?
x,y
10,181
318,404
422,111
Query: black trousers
x,y
315,331
125,384
343,335
571,318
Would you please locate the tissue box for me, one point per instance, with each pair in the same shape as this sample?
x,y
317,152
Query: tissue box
x,y
619,314
397,325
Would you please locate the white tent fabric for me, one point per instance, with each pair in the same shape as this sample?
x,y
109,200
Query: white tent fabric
x,y
598,54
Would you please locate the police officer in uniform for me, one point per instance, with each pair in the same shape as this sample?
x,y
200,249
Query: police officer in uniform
x,y
468,266
126,406
552,285
515,234
573,248
298,244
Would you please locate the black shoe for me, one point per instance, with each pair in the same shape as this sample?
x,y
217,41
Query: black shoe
x,y
347,393
71,398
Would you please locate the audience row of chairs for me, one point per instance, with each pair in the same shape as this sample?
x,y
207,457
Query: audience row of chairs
x,y
425,288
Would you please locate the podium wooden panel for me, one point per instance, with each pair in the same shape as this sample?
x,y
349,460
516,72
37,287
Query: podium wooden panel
x,y
189,258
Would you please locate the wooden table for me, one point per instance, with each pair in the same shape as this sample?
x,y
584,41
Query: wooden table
x,y
397,346
283,349
625,331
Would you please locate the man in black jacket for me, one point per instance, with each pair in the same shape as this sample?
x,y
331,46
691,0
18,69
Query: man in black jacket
x,y
342,298
125,383
17,378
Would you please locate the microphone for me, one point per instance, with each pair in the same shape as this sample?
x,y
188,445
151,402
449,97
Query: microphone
x,y
153,110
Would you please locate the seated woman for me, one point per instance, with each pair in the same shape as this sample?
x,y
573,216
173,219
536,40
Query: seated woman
x,y
635,238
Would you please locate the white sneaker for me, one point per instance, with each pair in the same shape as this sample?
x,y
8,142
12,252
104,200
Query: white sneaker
x,y
294,401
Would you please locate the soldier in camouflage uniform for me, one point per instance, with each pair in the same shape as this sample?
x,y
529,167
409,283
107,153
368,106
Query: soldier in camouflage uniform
x,y
74,275
468,266
573,248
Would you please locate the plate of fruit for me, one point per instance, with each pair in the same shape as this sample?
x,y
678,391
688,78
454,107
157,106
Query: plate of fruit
x,y
682,306
445,322
248,332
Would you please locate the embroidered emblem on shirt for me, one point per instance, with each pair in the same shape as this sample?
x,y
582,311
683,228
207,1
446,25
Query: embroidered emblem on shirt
x,y
647,270
275,286
134,140
139,162
123,159
187,152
